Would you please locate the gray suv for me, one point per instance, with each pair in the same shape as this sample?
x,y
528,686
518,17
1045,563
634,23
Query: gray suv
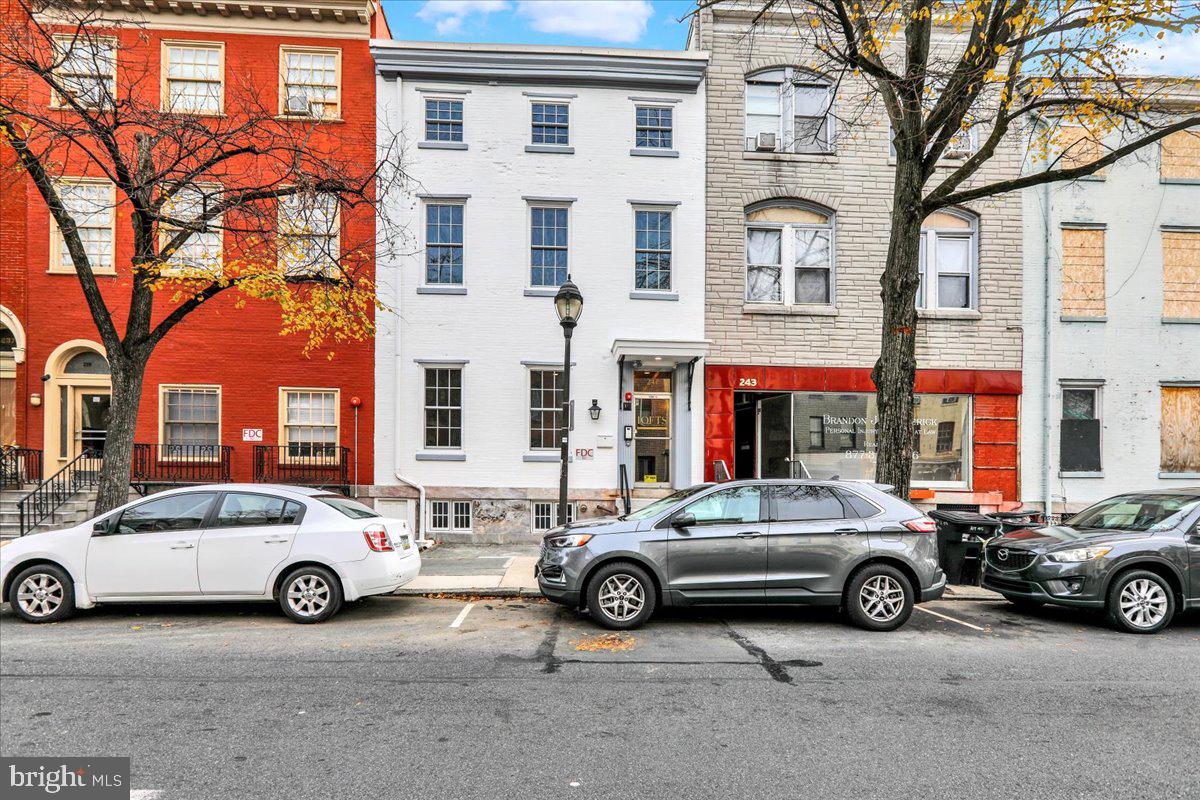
x,y
832,543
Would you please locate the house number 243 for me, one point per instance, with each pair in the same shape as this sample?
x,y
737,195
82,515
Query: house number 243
x,y
747,381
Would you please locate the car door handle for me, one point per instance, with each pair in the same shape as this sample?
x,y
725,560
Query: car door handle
x,y
846,531
275,541
182,546
749,534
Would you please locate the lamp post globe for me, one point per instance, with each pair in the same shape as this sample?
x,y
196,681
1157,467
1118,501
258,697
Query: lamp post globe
x,y
568,304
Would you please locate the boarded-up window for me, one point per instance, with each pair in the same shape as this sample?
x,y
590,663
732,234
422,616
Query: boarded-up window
x,y
1180,429
1180,159
1083,272
1079,146
1181,274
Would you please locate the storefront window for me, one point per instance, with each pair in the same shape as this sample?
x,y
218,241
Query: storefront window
x,y
834,434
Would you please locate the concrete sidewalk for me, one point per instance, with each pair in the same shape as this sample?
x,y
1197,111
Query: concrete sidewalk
x,y
507,571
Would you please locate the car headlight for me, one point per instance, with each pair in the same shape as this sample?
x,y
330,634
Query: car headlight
x,y
1078,554
569,540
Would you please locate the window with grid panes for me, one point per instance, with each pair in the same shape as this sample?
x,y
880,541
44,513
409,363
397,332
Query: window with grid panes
x,y
194,80
308,239
443,407
654,127
450,515
86,69
310,82
443,244
310,428
202,250
652,250
191,420
545,515
545,408
548,246
90,205
443,120
551,123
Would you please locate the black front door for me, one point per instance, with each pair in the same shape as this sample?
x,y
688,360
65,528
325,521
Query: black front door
x,y
93,421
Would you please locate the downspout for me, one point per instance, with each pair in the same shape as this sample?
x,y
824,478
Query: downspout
x,y
1047,306
422,541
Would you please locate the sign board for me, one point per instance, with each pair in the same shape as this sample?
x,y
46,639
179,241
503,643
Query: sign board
x,y
585,453
252,434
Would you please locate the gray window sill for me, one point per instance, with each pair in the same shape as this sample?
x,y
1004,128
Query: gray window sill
x,y
544,458
1184,476
549,148
441,290
1181,320
949,313
546,291
441,456
441,145
1067,318
654,152
643,294
1182,181
799,310
1062,474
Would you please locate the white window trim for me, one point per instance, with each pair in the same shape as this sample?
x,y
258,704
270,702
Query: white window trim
x,y
284,49
165,233
56,263
529,370
663,106
335,224
1096,386
669,209
450,516
454,98
572,514
928,265
163,390
552,100
787,254
165,80
434,201
56,100
786,131
530,205
462,407
284,391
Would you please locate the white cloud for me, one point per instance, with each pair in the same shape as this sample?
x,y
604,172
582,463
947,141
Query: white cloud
x,y
1176,54
621,21
448,16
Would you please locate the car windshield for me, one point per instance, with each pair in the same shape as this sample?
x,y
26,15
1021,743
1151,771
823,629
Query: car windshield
x,y
662,504
351,508
1137,512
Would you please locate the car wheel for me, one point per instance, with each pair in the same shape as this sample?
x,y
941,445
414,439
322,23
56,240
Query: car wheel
x,y
1140,602
310,594
878,598
42,593
621,596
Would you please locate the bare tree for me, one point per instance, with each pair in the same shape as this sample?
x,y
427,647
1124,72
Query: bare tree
x,y
1055,75
81,100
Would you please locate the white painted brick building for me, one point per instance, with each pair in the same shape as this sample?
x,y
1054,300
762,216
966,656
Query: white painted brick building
x,y
525,164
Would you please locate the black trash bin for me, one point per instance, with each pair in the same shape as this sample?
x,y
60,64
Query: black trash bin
x,y
960,543
1017,520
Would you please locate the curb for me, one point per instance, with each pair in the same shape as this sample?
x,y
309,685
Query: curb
x,y
467,594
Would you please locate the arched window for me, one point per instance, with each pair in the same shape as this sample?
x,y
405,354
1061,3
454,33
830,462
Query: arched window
x,y
949,260
789,254
791,106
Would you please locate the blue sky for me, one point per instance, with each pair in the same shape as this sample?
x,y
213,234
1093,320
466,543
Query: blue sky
x,y
612,23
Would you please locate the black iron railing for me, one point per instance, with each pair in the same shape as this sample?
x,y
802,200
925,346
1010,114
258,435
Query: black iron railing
x,y
180,464
19,466
317,465
81,472
623,485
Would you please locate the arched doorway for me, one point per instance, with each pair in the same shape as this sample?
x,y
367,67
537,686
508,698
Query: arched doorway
x,y
12,352
78,397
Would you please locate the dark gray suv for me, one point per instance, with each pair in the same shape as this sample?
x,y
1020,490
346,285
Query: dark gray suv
x,y
833,543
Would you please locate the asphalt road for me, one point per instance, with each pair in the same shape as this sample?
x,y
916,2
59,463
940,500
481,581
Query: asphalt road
x,y
522,700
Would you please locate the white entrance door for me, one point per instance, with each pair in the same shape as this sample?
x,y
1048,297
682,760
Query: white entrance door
x,y
151,549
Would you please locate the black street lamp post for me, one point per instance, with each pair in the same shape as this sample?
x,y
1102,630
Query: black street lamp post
x,y
568,304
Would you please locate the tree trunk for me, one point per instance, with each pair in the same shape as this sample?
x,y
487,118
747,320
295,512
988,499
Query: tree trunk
x,y
895,372
127,377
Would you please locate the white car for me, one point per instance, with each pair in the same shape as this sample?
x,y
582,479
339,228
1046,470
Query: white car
x,y
307,548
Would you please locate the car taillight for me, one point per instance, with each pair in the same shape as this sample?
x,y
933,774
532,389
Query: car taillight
x,y
377,539
921,525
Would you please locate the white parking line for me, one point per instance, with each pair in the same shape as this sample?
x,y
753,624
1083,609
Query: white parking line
x,y
950,618
145,794
462,615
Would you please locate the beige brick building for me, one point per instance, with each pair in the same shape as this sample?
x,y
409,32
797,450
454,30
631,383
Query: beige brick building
x,y
797,226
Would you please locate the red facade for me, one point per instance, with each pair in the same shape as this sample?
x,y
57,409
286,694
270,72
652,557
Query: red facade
x,y
238,349
996,394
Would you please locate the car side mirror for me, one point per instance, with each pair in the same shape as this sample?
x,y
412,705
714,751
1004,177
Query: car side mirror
x,y
684,519
102,526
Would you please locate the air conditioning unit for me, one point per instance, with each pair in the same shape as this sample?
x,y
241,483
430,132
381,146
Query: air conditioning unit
x,y
765,142
298,105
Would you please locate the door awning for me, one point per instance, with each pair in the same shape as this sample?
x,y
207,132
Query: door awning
x,y
673,351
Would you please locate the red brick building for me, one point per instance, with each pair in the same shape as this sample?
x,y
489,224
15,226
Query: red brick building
x,y
225,376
